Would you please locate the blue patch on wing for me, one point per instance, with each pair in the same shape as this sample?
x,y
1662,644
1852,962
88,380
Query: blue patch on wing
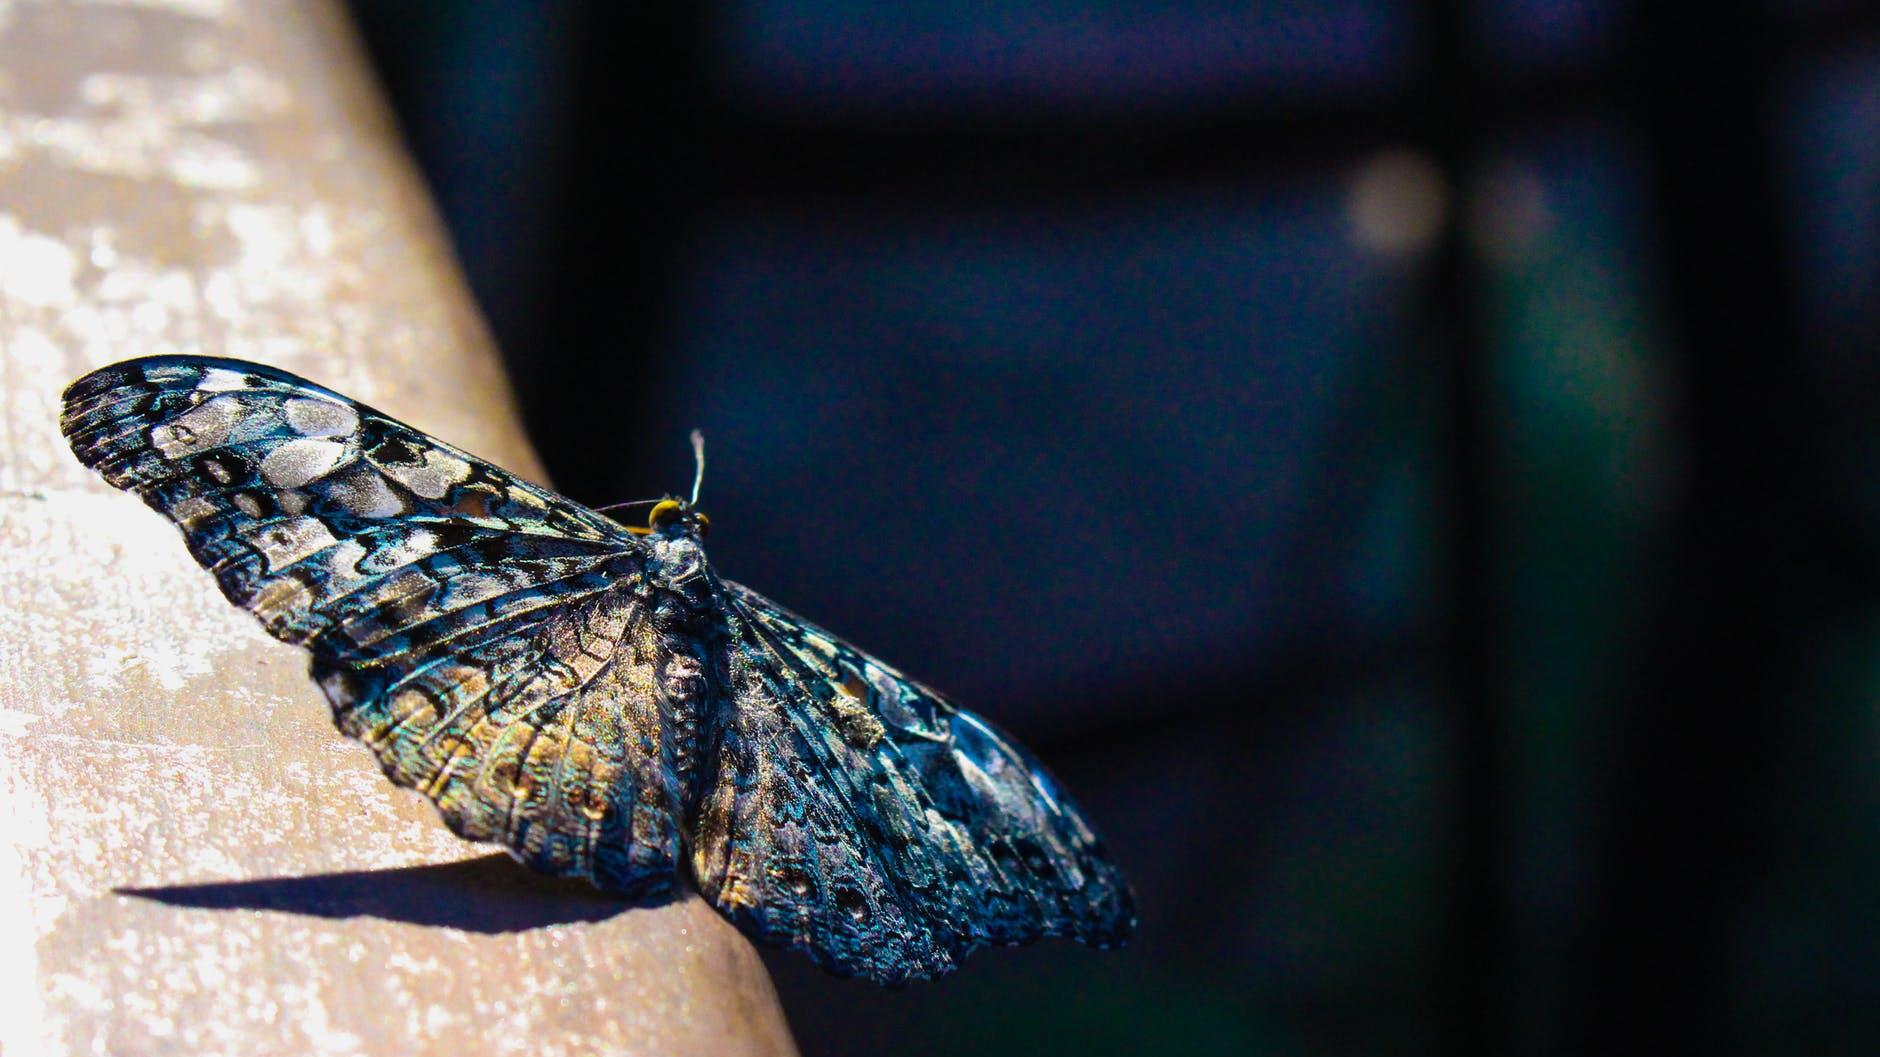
x,y
861,817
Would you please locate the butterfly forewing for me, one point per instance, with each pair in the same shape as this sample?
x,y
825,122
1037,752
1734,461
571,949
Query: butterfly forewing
x,y
485,637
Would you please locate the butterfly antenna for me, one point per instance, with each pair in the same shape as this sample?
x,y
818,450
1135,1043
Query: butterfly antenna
x,y
625,505
698,454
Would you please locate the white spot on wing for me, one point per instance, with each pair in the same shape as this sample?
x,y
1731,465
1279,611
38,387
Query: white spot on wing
x,y
297,462
421,543
471,588
364,493
310,417
342,568
431,478
283,543
200,428
221,380
191,509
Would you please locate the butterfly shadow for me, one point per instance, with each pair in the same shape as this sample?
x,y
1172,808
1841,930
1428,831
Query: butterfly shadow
x,y
489,894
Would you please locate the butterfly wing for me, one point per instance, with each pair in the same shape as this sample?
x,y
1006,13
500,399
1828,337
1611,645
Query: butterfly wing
x,y
484,636
861,817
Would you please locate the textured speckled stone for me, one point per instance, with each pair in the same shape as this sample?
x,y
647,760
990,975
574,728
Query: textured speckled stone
x,y
208,176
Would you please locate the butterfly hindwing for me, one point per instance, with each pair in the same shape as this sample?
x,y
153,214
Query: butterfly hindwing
x,y
488,639
860,816
558,739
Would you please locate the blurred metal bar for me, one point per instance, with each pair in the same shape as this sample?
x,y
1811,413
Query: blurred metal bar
x,y
214,177
742,151
1704,726
1453,98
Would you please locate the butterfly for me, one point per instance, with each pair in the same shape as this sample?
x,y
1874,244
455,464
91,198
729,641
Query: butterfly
x,y
592,695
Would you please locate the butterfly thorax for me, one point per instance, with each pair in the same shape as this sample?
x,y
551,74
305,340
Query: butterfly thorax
x,y
677,563
686,615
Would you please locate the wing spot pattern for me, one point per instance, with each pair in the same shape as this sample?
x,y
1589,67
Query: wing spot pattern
x,y
363,493
282,543
299,462
432,476
313,417
205,426
221,380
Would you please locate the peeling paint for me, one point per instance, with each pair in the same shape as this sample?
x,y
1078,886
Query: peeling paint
x,y
34,269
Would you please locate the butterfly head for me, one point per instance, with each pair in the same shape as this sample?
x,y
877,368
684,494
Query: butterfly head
x,y
677,517
673,517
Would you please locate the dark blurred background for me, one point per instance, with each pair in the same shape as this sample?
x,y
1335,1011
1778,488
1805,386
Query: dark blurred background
x,y
1412,468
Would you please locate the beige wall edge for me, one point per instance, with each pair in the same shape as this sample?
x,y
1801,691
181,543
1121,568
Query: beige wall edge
x,y
220,177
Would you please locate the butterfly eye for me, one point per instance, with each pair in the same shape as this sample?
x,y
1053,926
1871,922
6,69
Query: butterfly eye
x,y
704,524
664,513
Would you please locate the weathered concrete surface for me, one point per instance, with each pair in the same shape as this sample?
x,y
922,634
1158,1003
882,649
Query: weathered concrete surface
x,y
208,176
